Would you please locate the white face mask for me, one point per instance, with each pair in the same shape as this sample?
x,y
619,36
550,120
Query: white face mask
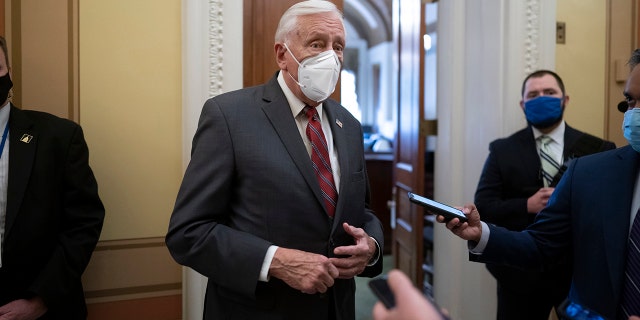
x,y
318,75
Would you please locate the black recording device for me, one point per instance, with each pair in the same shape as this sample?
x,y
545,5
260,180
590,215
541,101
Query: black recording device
x,y
381,289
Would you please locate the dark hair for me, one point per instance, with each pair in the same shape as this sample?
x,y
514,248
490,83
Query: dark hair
x,y
3,45
635,58
540,73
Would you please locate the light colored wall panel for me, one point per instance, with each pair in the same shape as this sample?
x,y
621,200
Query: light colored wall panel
x,y
130,269
130,101
581,62
44,28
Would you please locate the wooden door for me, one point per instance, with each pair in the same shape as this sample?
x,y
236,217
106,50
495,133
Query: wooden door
x,y
408,27
260,21
622,38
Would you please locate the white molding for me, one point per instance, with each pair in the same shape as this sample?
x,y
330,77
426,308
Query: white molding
x,y
216,39
485,49
207,39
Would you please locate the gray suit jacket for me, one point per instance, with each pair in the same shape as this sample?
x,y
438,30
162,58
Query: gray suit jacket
x,y
249,185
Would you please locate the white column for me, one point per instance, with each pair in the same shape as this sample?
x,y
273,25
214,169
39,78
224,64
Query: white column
x,y
485,50
206,39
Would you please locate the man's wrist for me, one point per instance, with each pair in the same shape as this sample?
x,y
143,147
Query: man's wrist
x,y
266,264
376,255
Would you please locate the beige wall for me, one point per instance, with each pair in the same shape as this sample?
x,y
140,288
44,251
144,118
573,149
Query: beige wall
x,y
46,23
581,62
130,109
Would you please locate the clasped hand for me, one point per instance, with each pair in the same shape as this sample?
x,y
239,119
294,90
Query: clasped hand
x,y
23,309
312,273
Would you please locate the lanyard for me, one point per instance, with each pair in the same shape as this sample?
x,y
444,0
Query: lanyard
x,y
4,138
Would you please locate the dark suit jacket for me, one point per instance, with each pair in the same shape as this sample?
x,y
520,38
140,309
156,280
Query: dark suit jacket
x,y
249,185
54,215
511,174
588,218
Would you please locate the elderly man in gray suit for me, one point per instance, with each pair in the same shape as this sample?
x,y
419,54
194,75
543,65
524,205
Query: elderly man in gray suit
x,y
274,205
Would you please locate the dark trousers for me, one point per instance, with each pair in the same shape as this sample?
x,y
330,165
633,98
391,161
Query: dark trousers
x,y
523,306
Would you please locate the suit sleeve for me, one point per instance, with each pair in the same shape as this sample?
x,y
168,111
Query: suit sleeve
x,y
541,245
494,203
83,215
373,227
198,236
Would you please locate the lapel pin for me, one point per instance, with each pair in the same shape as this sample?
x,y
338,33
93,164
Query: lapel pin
x,y
339,123
26,138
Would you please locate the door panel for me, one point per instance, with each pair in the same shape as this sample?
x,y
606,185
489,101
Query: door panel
x,y
410,146
622,39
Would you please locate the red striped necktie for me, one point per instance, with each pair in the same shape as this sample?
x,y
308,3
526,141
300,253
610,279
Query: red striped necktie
x,y
320,160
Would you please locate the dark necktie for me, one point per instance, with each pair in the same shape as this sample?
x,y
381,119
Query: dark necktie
x,y
549,166
631,294
320,160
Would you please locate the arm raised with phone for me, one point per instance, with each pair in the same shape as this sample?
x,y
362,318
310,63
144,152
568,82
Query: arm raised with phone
x,y
437,208
470,230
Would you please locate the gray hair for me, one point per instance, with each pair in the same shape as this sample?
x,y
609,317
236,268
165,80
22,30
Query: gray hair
x,y
288,21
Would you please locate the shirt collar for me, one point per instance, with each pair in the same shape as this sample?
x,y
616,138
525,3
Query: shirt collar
x,y
557,134
4,114
295,104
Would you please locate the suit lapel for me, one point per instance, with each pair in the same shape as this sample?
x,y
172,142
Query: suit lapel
x,y
621,172
570,138
23,140
277,110
528,155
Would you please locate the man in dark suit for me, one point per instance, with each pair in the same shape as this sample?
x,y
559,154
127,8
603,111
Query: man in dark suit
x,y
589,218
252,215
513,189
50,212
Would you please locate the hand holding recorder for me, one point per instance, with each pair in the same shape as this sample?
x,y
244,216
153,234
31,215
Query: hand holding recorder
x,y
401,300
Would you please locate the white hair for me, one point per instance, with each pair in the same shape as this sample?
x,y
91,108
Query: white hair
x,y
288,21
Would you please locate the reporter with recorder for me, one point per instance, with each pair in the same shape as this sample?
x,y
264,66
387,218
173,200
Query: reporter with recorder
x,y
591,217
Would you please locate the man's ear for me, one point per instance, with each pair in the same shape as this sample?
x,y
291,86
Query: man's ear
x,y
522,105
280,51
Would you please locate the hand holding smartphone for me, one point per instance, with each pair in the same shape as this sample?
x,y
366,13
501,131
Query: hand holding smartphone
x,y
438,208
381,289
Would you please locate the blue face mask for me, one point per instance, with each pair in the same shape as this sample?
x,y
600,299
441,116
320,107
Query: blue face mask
x,y
543,111
631,128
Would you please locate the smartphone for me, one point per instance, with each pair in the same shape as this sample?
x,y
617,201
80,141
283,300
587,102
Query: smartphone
x,y
381,289
438,208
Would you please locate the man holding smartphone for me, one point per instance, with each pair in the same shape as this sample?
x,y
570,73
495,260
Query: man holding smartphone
x,y
518,178
592,217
